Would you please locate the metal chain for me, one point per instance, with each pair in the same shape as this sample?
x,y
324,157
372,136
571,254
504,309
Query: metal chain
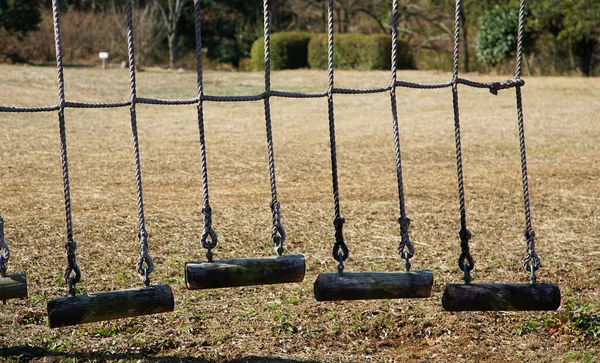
x,y
278,234
531,261
405,247
208,238
144,265
72,274
340,249
465,261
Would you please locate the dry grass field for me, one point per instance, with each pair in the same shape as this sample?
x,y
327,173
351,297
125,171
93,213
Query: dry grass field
x,y
284,323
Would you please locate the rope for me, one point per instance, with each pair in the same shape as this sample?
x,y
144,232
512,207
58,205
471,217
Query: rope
x,y
465,261
4,250
278,234
405,247
144,265
72,274
531,261
208,239
340,250
493,87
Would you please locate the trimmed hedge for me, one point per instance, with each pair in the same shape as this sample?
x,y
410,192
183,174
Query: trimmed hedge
x,y
360,51
288,51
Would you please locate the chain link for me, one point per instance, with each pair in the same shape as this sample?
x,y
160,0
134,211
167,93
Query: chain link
x,y
465,261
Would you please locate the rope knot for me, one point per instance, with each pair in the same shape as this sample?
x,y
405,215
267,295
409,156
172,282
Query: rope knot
x,y
405,248
72,268
208,239
465,261
144,265
340,249
278,234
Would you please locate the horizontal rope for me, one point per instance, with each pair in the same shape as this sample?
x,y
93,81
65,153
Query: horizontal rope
x,y
491,86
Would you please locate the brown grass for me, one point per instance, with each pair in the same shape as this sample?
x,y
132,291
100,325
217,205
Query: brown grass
x,y
284,323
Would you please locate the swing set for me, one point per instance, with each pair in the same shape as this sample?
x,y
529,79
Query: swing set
x,y
339,285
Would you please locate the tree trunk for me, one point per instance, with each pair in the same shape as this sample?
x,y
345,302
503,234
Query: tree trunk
x,y
172,50
584,50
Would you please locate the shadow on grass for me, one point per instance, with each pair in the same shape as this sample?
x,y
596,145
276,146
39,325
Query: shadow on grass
x,y
27,353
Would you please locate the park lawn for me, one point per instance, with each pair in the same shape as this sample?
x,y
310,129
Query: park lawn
x,y
284,323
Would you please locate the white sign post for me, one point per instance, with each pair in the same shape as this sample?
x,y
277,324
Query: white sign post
x,y
103,56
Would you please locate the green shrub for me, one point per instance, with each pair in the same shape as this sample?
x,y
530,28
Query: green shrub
x,y
358,51
288,51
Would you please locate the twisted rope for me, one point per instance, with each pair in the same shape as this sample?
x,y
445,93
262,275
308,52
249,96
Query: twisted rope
x,y
278,234
144,265
72,274
4,250
340,250
531,261
405,246
208,238
465,261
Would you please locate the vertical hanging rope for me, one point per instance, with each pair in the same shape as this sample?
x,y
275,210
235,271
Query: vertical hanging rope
x,y
405,247
531,262
144,264
208,239
4,250
465,261
340,249
278,234
72,273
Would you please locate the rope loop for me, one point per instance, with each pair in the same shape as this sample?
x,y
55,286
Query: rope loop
x,y
405,248
278,234
531,261
340,249
465,261
144,265
72,273
208,239
4,250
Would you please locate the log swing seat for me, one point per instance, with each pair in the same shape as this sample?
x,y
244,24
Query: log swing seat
x,y
342,285
11,286
211,273
88,308
497,297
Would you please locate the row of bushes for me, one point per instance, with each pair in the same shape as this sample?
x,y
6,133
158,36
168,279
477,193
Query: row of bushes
x,y
292,50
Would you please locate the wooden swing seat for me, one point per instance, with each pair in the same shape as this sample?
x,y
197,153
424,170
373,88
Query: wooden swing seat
x,y
244,272
13,287
89,308
373,285
501,297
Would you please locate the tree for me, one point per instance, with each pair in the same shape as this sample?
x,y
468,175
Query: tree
x,y
171,14
577,24
497,36
20,15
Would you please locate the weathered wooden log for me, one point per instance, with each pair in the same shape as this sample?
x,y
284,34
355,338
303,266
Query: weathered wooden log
x,y
373,285
244,272
13,287
501,297
112,305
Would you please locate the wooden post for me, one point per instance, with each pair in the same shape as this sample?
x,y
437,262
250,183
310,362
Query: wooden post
x,y
13,287
103,306
373,285
244,272
501,297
